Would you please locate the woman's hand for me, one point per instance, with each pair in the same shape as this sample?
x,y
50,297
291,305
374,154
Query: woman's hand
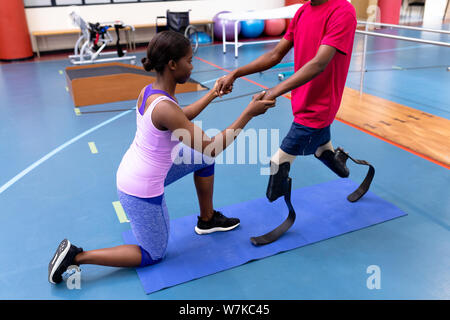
x,y
258,106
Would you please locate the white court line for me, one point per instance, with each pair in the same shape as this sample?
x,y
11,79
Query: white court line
x,y
212,80
58,149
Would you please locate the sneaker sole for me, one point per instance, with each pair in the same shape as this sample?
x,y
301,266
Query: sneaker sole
x,y
59,256
212,230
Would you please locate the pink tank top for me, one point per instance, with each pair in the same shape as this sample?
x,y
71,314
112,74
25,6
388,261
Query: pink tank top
x,y
145,165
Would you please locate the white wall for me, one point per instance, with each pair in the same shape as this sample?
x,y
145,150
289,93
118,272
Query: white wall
x,y
57,18
434,12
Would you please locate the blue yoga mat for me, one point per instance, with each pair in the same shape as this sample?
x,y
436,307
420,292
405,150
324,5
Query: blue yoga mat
x,y
322,211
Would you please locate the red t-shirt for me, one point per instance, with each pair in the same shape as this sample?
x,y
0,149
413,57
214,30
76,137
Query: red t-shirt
x,y
333,23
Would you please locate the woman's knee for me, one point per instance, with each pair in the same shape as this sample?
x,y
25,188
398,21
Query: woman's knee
x,y
205,171
147,259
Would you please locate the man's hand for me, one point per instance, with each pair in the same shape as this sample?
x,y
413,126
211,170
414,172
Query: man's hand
x,y
217,91
224,85
270,95
259,105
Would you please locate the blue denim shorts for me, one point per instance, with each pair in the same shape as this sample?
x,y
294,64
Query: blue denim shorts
x,y
302,140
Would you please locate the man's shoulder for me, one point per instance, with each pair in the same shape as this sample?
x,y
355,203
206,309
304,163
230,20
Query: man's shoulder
x,y
302,8
343,10
344,6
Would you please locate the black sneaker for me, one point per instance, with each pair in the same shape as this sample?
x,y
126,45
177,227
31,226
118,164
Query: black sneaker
x,y
63,258
218,222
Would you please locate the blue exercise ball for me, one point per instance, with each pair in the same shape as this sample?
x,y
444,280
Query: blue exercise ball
x,y
252,28
203,38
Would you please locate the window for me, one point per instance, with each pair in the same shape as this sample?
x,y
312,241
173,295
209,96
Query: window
x,y
68,2
37,3
54,3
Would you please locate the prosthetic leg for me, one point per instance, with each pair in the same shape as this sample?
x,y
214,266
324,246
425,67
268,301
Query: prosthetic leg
x,y
280,184
336,161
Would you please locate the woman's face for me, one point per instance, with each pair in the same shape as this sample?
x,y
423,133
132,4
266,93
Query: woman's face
x,y
184,67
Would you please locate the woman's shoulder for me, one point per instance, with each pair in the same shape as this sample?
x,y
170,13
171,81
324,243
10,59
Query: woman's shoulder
x,y
165,113
152,98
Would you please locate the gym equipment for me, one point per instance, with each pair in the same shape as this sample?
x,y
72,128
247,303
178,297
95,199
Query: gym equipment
x,y
274,27
94,38
323,214
228,25
15,41
179,22
111,82
252,28
236,18
203,38
284,75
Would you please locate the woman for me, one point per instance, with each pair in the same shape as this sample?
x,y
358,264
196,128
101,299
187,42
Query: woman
x,y
153,161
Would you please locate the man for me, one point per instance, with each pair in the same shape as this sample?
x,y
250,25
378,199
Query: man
x,y
322,34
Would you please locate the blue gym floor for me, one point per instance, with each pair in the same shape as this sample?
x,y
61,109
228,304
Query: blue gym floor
x,y
52,186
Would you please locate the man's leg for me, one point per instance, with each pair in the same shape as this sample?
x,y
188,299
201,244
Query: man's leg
x,y
322,148
333,159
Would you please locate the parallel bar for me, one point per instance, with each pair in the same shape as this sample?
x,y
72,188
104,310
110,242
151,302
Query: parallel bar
x,y
363,67
403,27
383,35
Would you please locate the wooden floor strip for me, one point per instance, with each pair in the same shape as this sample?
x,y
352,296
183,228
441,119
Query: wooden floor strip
x,y
421,132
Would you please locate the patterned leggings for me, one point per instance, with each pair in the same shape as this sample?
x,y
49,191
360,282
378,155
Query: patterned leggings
x,y
149,217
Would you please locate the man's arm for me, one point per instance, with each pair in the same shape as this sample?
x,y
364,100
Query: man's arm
x,y
305,74
264,62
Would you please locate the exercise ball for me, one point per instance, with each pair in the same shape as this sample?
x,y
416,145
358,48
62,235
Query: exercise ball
x,y
252,28
229,27
274,27
203,38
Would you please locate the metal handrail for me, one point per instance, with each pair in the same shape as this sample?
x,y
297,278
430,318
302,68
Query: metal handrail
x,y
377,34
384,35
397,26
